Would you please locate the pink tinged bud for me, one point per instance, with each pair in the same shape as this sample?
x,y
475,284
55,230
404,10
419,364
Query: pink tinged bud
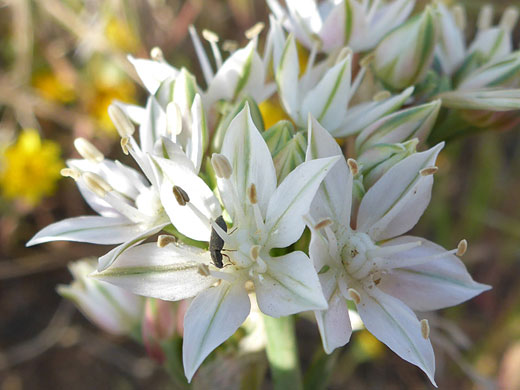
x,y
159,324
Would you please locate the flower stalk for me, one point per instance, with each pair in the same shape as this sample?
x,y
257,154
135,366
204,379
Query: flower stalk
x,y
282,353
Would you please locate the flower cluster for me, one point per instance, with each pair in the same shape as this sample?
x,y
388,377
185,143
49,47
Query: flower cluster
x,y
232,197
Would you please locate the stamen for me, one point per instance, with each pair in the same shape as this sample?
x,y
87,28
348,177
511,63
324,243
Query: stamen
x,y
71,172
201,55
156,54
333,242
251,193
459,13
226,237
462,247
88,151
254,252
353,166
485,17
124,145
124,127
254,31
367,60
356,297
229,46
203,270
344,53
357,81
212,38
173,118
316,44
323,224
249,286
384,251
221,166
223,276
181,196
425,329
96,184
509,18
381,95
165,239
428,171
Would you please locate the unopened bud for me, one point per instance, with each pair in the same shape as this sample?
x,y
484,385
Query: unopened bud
x,y
425,329
356,297
70,172
255,30
252,194
96,184
88,151
221,166
156,54
180,195
428,171
124,127
165,239
462,247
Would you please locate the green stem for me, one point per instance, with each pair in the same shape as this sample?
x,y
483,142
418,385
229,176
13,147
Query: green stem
x,y
282,353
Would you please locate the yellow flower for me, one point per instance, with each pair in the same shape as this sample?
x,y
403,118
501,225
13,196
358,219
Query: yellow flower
x,y
53,88
272,112
30,168
121,36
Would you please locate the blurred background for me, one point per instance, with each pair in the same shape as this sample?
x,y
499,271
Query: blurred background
x,y
61,64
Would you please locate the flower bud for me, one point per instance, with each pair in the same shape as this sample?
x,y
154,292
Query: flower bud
x,y
113,309
482,99
451,49
414,122
288,149
377,160
278,136
404,56
159,324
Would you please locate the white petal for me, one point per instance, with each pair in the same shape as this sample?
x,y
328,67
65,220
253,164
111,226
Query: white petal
x,y
393,323
194,225
334,323
287,77
250,159
442,282
327,101
106,260
395,203
334,197
169,273
93,229
198,131
213,316
152,73
290,285
292,199
362,115
136,114
154,125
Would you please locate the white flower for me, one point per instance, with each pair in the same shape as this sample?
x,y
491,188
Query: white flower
x,y
365,259
263,216
127,202
241,74
113,309
332,24
325,90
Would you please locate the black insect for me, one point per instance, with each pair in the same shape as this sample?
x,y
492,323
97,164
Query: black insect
x,y
216,243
